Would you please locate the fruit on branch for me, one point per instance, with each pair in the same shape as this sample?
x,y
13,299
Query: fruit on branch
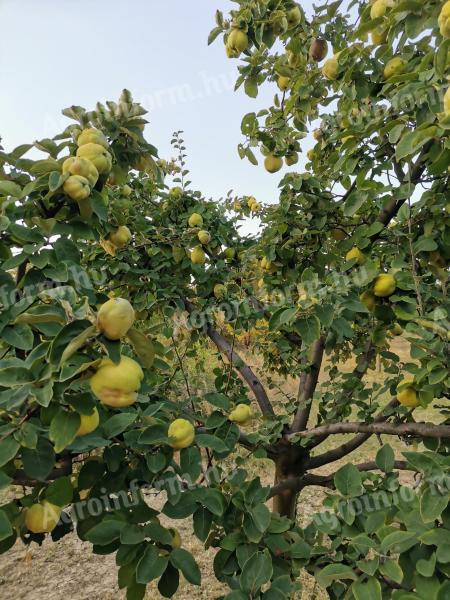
x,y
117,385
318,49
395,66
98,155
92,136
178,253
237,42
266,264
219,291
81,166
396,329
181,433
273,163
384,285
379,36
229,253
294,16
176,537
88,423
176,193
406,394
253,204
283,82
42,517
198,256
369,300
77,187
330,69
241,414
115,318
204,237
317,134
444,20
195,220
121,237
291,158
380,8
356,255
127,191
338,234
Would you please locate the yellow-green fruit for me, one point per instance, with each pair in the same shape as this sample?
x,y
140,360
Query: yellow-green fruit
x,y
384,285
42,517
81,166
121,237
195,220
77,187
115,318
294,60
283,82
88,423
92,136
369,300
127,191
255,207
317,134
117,385
356,255
251,201
406,394
98,155
237,41
176,537
395,66
265,263
447,103
291,159
331,68
204,237
273,163
181,433
444,20
396,329
380,8
176,193
294,16
379,36
178,253
198,256
220,291
241,414
229,253
338,235
310,155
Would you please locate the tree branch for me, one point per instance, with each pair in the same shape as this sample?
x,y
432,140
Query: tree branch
x,y
306,391
239,365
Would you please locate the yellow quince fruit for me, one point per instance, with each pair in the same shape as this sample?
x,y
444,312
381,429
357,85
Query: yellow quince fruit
x,y
384,285
88,423
92,136
115,318
121,237
98,155
42,517
81,166
77,187
181,433
241,414
117,385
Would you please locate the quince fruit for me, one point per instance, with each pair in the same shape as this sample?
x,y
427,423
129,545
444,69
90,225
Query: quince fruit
x,y
92,136
273,163
229,253
198,256
330,69
117,385
195,220
127,191
77,187
369,300
396,329
241,414
338,234
406,394
379,36
294,16
204,237
356,255
81,166
98,155
384,285
176,537
88,423
115,318
447,102
283,82
121,237
237,42
380,8
291,158
395,66
318,49
220,291
444,20
182,434
42,517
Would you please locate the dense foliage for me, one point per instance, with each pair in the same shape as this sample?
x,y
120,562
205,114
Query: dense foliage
x,y
115,274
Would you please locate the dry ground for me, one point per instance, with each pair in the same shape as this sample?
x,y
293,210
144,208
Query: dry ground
x,y
67,570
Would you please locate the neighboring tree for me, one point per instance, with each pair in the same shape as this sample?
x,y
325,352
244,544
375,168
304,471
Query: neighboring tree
x,y
113,287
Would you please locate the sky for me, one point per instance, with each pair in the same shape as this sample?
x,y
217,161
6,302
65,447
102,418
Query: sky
x,y
56,53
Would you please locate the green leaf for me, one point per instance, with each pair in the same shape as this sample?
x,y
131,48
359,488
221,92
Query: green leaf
x,y
261,516
368,590
391,569
385,459
348,480
184,561
19,336
63,429
335,572
202,520
191,462
38,463
76,343
151,566
9,188
105,532
308,329
256,572
281,317
118,423
205,440
169,582
432,504
60,491
143,347
398,541
6,529
8,450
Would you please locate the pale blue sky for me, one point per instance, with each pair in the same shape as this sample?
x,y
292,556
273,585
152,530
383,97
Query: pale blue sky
x,y
54,53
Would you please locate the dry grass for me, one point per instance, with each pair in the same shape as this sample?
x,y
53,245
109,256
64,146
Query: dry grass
x,y
68,570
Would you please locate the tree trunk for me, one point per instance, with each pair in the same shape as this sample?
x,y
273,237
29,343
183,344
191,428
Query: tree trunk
x,y
284,504
291,462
